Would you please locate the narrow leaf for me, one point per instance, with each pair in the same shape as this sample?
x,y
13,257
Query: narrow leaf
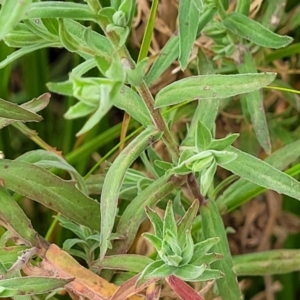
x,y
79,110
12,111
242,190
203,137
113,182
14,219
267,263
255,106
187,221
149,269
161,272
156,221
154,240
188,250
98,43
21,36
127,262
25,50
11,13
128,100
209,274
30,285
182,289
35,105
189,272
212,226
262,174
63,88
223,143
166,57
59,9
188,26
53,192
169,220
211,87
207,177
48,160
201,248
206,259
255,32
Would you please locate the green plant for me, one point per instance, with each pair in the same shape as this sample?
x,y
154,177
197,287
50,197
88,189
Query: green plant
x,y
128,195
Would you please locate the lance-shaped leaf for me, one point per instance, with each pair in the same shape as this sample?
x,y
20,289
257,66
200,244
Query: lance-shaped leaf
x,y
221,144
262,174
189,272
25,50
188,27
182,289
157,269
38,28
212,226
201,248
156,221
30,285
207,177
169,223
166,57
188,251
22,36
114,179
267,262
14,219
53,192
203,137
35,105
127,99
187,221
254,104
59,9
11,13
242,190
78,110
254,31
48,160
12,111
211,87
127,262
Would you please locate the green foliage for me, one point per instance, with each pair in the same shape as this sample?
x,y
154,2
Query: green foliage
x,y
105,210
177,254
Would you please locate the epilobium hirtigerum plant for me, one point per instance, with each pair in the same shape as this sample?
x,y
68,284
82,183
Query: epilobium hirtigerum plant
x,y
175,189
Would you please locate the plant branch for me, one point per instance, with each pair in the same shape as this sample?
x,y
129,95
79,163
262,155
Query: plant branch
x,y
156,116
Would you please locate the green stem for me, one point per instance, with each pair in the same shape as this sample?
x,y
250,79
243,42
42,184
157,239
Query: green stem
x,y
158,120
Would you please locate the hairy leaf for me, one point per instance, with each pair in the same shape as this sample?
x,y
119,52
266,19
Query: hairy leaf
x,y
211,87
53,192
